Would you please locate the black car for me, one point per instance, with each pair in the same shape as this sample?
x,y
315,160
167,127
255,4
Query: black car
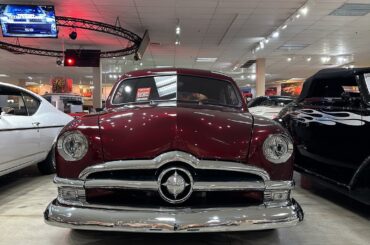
x,y
330,124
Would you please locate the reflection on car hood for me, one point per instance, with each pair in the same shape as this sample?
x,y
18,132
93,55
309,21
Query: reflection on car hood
x,y
147,131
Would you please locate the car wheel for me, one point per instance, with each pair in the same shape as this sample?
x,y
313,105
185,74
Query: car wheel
x,y
48,165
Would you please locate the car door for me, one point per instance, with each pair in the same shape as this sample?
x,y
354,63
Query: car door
x,y
327,127
19,134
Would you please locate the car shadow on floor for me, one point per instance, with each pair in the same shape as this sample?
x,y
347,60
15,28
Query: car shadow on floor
x,y
338,198
77,237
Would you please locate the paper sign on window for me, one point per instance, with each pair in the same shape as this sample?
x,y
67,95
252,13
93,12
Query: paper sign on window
x,y
142,94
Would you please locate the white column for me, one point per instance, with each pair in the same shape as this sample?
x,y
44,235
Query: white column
x,y
97,91
261,77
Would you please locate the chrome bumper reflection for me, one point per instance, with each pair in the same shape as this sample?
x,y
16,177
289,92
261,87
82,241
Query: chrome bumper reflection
x,y
175,220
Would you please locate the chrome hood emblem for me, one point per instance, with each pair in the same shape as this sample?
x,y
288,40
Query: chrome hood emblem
x,y
175,185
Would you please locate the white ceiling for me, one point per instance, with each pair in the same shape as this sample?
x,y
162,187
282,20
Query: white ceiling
x,y
225,29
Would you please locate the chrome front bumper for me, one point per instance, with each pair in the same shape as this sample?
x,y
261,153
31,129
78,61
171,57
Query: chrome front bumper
x,y
177,220
71,209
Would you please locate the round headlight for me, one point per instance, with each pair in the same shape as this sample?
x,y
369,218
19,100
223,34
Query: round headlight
x,y
72,146
278,148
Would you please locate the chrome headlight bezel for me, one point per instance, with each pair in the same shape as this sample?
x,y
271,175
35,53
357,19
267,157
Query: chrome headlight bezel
x,y
67,154
275,155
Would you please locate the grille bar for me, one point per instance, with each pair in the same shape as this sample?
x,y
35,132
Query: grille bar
x,y
153,185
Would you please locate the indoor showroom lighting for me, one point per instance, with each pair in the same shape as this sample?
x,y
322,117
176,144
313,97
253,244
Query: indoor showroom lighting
x,y
73,35
308,59
178,30
267,40
325,59
289,59
276,34
304,10
284,27
3,75
206,59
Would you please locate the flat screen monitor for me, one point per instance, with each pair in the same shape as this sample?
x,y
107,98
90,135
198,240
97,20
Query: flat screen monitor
x,y
28,20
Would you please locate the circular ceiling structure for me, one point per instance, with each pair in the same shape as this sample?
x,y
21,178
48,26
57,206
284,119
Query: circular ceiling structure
x,y
76,23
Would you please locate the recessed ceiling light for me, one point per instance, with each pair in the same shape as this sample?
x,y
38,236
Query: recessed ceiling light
x,y
308,59
289,59
304,10
29,77
3,75
267,40
206,59
275,34
297,16
289,46
325,59
163,66
284,27
178,30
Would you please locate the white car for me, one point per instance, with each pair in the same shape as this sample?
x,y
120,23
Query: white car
x,y
268,106
29,125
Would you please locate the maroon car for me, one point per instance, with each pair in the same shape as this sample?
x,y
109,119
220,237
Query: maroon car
x,y
175,151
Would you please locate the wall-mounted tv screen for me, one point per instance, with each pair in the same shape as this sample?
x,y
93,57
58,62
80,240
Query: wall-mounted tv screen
x,y
28,20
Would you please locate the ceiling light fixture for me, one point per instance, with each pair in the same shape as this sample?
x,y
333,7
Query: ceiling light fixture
x,y
325,59
289,59
206,59
304,10
178,30
276,34
308,59
3,75
73,35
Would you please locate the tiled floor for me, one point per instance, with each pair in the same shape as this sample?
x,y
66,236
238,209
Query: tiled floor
x,y
329,219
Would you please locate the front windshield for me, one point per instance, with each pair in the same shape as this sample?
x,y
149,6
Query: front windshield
x,y
276,102
176,88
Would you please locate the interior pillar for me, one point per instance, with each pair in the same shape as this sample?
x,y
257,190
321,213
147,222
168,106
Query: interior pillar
x,y
261,76
97,83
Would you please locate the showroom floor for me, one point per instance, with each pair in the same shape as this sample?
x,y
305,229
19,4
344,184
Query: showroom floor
x,y
25,194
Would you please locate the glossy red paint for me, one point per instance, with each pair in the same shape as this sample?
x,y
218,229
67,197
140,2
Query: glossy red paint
x,y
147,131
89,126
262,128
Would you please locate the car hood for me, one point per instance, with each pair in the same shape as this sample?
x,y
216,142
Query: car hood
x,y
147,131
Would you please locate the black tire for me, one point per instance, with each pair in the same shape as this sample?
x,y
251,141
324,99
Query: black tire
x,y
48,165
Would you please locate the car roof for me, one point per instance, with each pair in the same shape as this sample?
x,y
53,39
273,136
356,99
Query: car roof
x,y
330,73
178,71
20,88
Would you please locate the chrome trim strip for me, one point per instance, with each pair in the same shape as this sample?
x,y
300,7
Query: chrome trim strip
x,y
229,186
68,182
175,221
174,156
198,186
122,184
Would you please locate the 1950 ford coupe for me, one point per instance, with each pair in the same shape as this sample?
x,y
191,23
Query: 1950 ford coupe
x,y
174,151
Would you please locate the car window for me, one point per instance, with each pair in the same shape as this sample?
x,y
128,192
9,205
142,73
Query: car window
x,y
334,88
12,103
276,102
182,88
32,104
